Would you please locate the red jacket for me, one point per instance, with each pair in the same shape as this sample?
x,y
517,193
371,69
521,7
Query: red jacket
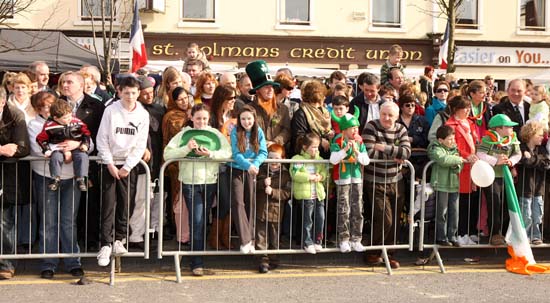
x,y
466,140
54,133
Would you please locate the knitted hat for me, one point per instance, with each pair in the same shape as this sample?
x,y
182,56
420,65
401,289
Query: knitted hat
x,y
144,82
501,120
259,75
348,120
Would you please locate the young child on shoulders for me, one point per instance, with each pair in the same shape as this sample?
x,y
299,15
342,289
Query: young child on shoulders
x,y
498,147
195,53
307,181
62,126
445,182
531,178
347,156
539,109
395,54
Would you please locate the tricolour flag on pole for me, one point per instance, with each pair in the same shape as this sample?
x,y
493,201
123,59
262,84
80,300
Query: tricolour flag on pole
x,y
444,48
522,260
137,42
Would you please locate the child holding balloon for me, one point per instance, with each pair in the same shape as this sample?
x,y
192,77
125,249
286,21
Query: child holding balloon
x,y
498,147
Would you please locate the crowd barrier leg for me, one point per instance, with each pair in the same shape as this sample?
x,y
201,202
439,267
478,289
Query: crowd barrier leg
x,y
177,265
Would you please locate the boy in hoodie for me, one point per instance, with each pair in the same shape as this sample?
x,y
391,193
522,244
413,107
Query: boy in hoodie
x,y
444,180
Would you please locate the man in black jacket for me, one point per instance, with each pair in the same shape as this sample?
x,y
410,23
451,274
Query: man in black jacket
x,y
513,105
14,143
89,110
368,101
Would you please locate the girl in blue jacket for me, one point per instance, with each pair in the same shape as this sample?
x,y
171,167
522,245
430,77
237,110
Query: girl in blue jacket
x,y
249,149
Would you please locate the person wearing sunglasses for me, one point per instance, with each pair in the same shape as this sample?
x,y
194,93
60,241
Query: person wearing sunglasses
x,y
439,100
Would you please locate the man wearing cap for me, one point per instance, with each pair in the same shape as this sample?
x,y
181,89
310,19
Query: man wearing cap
x,y
514,105
272,116
498,147
153,156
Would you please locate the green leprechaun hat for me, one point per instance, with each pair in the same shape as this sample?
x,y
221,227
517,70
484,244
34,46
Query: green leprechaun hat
x,y
348,120
259,75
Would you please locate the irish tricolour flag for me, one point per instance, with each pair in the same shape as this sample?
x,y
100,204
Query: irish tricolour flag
x,y
521,259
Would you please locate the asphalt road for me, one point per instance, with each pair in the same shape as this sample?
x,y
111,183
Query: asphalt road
x,y
329,278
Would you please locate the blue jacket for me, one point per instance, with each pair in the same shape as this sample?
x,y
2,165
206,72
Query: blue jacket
x,y
433,109
243,161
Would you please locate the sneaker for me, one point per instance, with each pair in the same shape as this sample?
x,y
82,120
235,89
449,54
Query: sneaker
x,y
318,247
54,185
104,256
197,272
248,248
81,183
310,249
77,272
461,241
345,247
7,274
497,240
537,242
264,268
357,246
474,239
47,274
119,248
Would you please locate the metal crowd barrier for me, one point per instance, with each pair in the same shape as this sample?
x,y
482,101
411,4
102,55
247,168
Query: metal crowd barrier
x,y
403,239
475,220
28,220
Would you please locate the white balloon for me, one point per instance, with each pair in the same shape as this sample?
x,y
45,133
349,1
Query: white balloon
x,y
482,174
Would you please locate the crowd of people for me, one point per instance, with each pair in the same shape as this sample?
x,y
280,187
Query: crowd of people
x,y
250,117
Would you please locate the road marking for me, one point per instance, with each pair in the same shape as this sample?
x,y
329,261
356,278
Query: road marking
x,y
223,274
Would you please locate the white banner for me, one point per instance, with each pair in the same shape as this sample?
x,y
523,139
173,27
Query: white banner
x,y
502,56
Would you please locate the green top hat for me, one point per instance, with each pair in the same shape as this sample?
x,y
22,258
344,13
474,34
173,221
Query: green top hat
x,y
501,120
347,120
204,138
259,75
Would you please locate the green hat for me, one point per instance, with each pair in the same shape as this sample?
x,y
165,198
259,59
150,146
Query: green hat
x,y
501,120
347,120
204,138
259,75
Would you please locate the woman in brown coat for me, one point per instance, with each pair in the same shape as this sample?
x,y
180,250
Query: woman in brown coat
x,y
174,120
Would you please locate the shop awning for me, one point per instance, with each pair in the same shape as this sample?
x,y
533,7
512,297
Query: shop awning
x,y
18,49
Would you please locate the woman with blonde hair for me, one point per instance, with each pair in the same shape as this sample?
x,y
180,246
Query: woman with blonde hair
x,y
21,97
171,79
206,84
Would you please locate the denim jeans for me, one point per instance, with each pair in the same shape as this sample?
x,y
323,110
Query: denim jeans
x,y
311,221
446,216
7,226
195,197
532,210
57,211
80,163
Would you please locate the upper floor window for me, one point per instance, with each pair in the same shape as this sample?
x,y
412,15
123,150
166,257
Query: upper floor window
x,y
199,10
468,15
94,9
532,15
386,13
7,9
295,12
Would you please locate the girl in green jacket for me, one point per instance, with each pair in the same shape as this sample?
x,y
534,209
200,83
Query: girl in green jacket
x,y
307,181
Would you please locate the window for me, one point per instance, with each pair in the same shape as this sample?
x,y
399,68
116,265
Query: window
x,y
6,9
386,13
533,15
199,10
467,15
92,8
295,12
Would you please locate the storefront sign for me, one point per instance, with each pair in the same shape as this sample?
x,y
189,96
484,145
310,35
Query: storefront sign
x,y
502,56
286,49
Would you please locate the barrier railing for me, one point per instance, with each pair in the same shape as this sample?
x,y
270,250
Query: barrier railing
x,y
286,227
481,213
35,211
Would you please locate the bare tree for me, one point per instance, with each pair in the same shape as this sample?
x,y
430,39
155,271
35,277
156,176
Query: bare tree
x,y
11,8
448,10
113,17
